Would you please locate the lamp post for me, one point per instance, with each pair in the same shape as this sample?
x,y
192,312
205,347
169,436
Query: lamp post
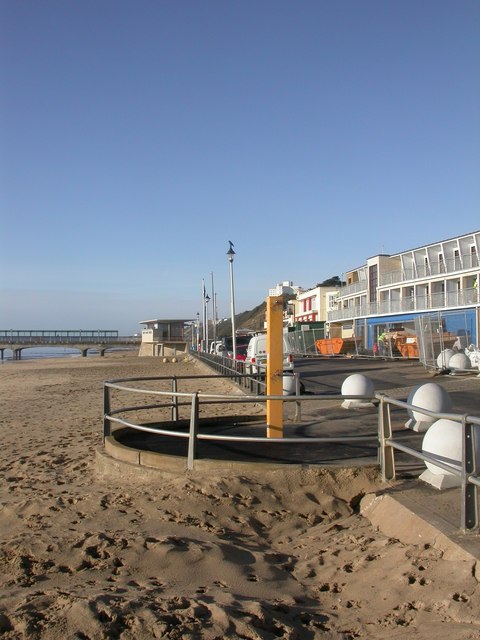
x,y
230,254
215,319
214,316
204,316
198,332
207,300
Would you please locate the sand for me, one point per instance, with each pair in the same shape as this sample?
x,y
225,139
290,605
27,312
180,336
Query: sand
x,y
270,554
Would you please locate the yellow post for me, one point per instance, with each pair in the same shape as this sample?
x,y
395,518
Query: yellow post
x,y
274,366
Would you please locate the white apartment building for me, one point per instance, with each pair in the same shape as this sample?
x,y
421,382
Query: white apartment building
x,y
285,288
390,291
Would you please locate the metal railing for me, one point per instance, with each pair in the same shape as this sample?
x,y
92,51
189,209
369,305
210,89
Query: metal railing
x,y
422,270
253,380
468,472
34,337
66,340
174,399
436,300
58,333
302,343
353,288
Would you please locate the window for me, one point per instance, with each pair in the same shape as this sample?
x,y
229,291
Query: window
x,y
373,282
441,263
473,255
425,262
457,263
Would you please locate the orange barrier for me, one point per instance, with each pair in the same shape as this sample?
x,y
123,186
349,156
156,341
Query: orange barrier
x,y
335,346
407,347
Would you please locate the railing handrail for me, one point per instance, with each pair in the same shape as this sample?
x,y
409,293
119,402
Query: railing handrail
x,y
41,340
467,297
383,436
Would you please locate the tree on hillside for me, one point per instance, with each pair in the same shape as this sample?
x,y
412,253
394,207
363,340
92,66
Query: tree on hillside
x,y
334,281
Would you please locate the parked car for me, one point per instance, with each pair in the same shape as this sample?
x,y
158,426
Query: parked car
x,y
241,352
256,358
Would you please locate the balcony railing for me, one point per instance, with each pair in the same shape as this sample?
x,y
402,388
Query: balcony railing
x,y
422,271
352,289
439,300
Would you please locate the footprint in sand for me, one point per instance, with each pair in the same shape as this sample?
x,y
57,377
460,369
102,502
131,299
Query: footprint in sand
x,y
412,579
222,585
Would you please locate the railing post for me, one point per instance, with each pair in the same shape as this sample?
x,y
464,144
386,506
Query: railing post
x,y
192,440
387,458
469,506
107,430
174,399
298,404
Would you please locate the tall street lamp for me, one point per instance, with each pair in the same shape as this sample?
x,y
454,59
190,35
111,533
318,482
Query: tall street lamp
x,y
204,315
230,254
198,332
214,316
207,300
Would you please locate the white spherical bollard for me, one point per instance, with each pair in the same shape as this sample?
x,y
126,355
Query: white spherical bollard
x,y
443,358
430,396
357,385
459,361
174,360
444,441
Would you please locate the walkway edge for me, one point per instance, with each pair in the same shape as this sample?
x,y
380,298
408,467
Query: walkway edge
x,y
396,520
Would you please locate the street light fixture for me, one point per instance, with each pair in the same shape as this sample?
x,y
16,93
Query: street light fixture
x,y
207,300
198,332
214,316
230,254
204,316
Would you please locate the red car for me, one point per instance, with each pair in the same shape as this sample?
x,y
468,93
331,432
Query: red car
x,y
241,352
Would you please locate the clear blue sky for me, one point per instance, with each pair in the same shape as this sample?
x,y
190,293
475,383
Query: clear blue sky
x,y
138,137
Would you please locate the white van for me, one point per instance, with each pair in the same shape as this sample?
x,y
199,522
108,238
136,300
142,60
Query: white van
x,y
256,359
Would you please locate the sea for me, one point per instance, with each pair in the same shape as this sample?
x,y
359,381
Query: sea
x,y
39,353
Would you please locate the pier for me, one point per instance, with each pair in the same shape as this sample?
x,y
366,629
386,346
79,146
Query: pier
x,y
82,339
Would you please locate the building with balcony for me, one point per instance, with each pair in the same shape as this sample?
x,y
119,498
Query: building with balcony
x,y
390,292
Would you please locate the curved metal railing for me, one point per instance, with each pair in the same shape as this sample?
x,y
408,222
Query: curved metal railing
x,y
173,399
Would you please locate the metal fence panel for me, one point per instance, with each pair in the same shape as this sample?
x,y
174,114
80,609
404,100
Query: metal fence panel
x,y
302,343
439,331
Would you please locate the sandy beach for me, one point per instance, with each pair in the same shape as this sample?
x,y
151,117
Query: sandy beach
x,y
272,554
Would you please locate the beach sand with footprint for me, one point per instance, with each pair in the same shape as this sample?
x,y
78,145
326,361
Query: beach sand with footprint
x,y
268,554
